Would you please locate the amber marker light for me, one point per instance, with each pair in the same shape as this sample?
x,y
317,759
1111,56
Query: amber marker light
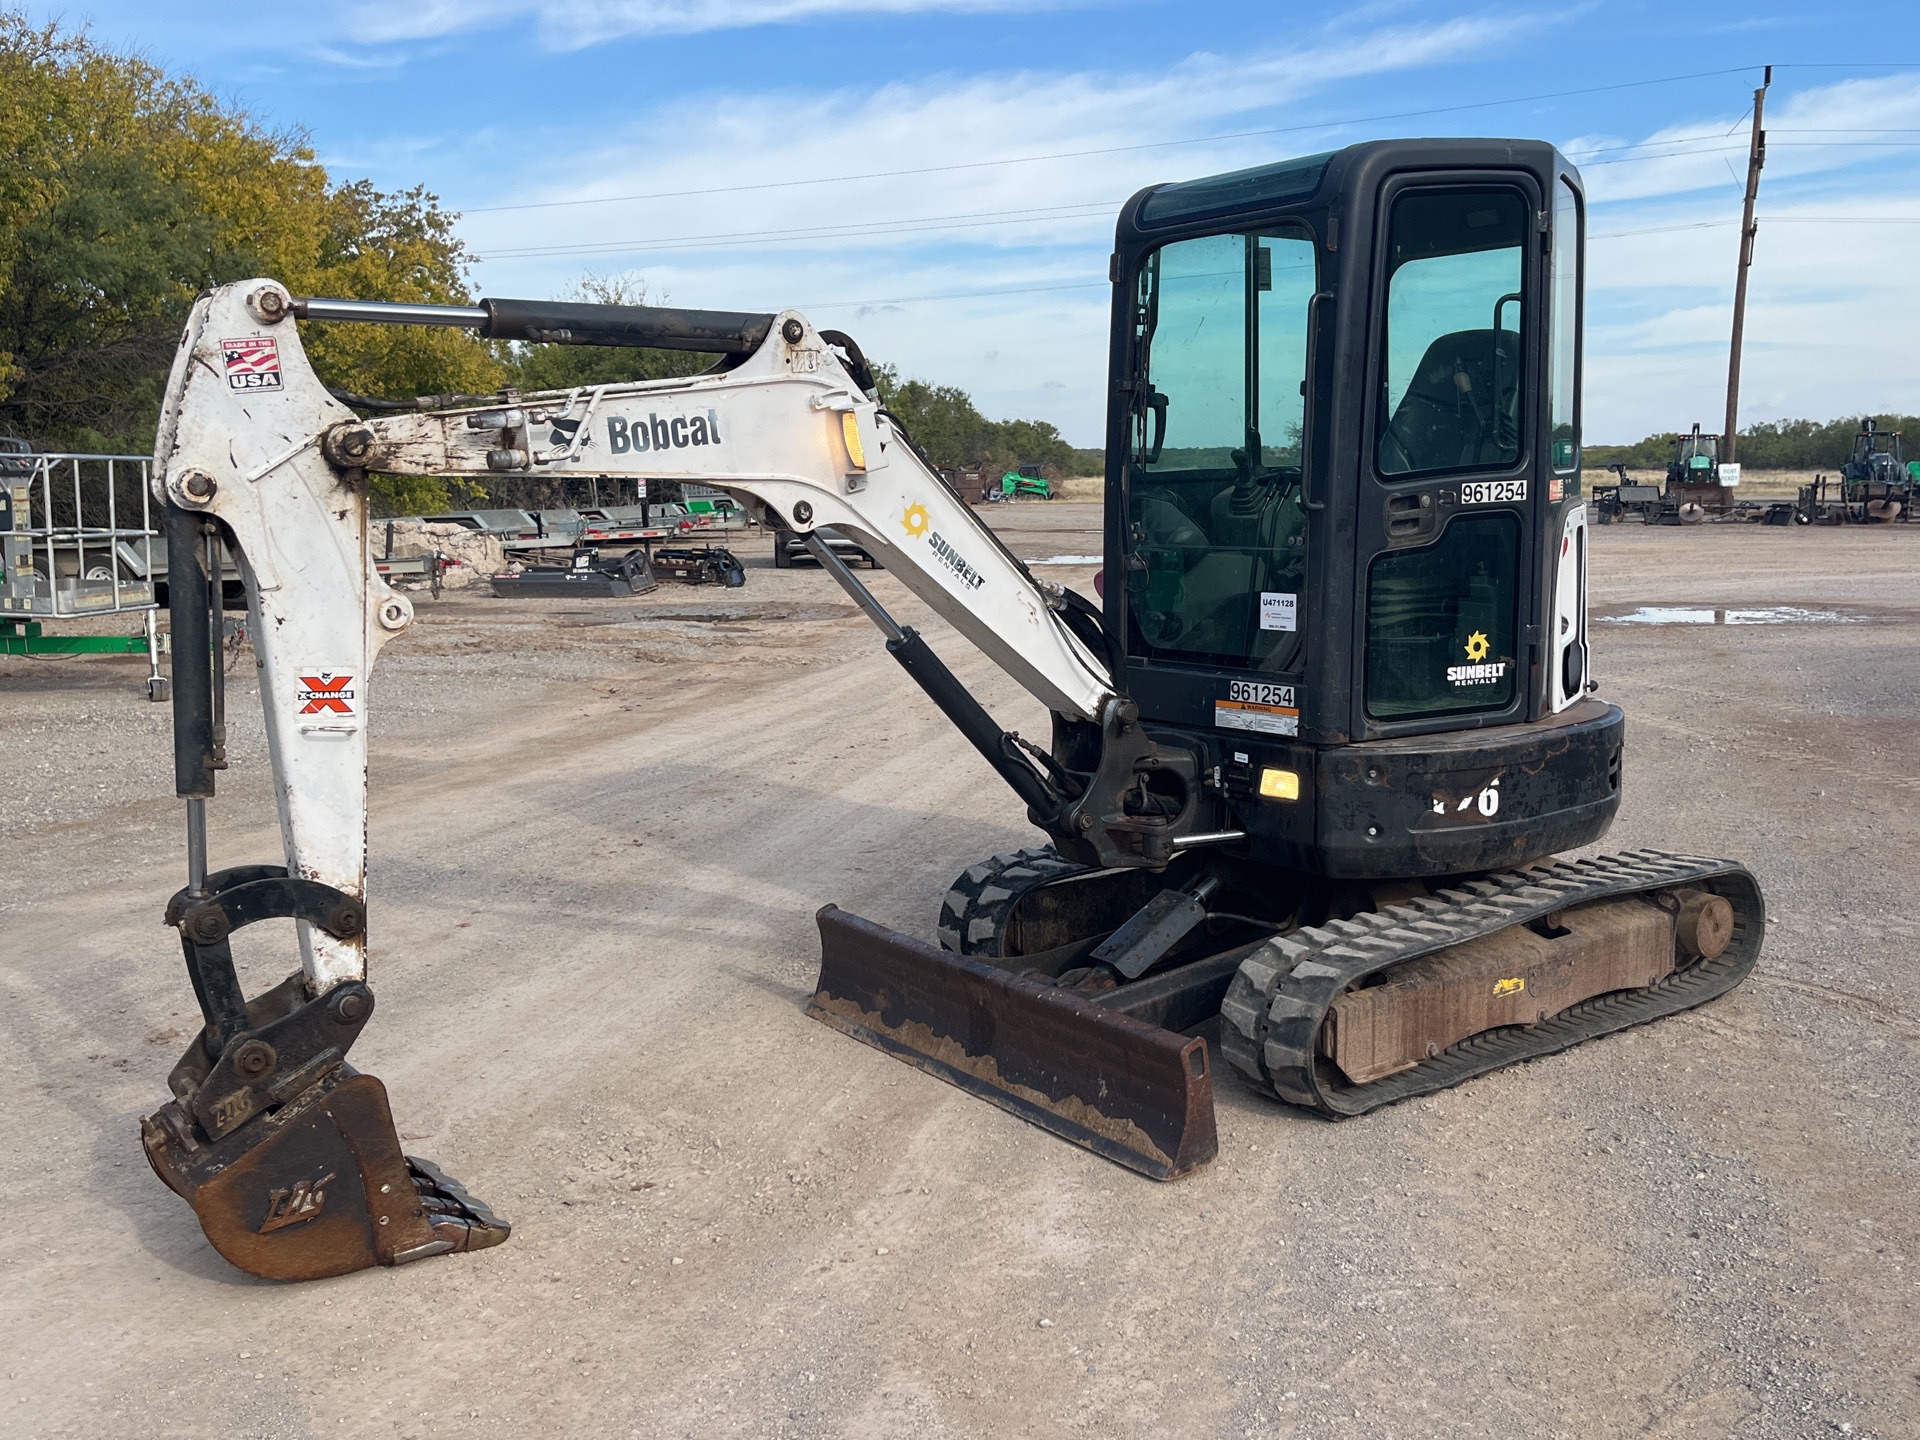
x,y
1280,784
850,428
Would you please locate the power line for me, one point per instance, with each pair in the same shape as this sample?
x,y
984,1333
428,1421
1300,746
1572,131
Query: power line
x,y
1771,132
960,295
1609,235
1767,220
1772,144
850,230
1109,149
969,220
974,219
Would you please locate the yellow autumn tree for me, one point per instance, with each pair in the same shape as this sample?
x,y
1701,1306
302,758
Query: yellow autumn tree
x,y
127,191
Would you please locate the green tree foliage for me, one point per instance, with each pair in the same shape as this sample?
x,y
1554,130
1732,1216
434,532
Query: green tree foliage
x,y
1770,445
125,192
944,422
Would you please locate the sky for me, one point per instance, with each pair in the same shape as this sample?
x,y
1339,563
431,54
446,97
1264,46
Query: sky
x,y
939,177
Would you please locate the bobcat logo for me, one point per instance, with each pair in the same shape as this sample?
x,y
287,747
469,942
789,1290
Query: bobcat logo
x,y
293,1206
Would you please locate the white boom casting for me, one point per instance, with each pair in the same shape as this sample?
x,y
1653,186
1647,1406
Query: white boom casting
x,y
239,439
787,430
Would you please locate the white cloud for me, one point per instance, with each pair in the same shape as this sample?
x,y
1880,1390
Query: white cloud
x,y
576,24
1813,132
1826,322
1832,275
1051,340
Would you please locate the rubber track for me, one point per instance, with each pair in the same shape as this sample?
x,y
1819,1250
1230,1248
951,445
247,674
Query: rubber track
x,y
1271,1018
973,917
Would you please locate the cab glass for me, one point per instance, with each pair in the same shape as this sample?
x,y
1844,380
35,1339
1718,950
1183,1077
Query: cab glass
x,y
1216,553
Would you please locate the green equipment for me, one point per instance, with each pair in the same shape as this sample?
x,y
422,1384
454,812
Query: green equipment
x,y
1026,481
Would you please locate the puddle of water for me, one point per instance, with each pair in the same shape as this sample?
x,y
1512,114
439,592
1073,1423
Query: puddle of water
x,y
1066,560
1705,615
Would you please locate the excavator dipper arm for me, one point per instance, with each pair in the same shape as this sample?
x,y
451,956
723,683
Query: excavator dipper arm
x,y
287,1154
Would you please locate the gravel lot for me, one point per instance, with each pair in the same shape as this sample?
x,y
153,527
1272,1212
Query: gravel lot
x,y
599,832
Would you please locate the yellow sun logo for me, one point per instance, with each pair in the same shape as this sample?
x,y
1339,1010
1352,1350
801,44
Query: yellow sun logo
x,y
915,520
1477,647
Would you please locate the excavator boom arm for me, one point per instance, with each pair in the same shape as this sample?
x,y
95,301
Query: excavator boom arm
x,y
788,429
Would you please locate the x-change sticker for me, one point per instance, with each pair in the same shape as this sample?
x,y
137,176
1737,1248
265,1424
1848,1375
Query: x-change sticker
x,y
326,692
253,363
1257,706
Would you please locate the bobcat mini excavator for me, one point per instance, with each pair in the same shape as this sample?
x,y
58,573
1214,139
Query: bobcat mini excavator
x,y
1312,753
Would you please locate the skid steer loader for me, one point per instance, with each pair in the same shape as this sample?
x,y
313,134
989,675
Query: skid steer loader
x,y
1312,753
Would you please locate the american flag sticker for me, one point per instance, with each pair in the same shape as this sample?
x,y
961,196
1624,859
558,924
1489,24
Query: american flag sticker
x,y
252,363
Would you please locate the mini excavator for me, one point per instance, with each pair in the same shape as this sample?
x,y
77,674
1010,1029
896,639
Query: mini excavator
x,y
1313,751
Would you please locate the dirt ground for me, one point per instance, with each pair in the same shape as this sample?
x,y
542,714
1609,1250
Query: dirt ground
x,y
599,833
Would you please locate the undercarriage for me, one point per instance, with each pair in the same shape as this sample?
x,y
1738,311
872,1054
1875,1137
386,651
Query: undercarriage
x,y
1092,992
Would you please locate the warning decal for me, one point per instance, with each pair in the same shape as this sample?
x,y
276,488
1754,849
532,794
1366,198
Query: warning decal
x,y
327,692
1265,719
252,363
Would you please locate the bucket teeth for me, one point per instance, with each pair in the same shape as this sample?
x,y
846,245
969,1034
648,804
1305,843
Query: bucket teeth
x,y
455,1215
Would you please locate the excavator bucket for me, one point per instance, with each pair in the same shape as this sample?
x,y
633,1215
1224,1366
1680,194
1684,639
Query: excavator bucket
x,y
1133,1092
289,1156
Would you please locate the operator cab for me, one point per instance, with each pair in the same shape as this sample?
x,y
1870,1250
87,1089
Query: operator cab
x,y
1343,490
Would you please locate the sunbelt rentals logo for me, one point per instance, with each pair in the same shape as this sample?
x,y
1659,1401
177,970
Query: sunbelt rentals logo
x,y
1479,670
918,525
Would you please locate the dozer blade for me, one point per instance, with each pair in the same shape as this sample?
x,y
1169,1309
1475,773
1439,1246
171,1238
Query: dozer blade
x,y
289,1156
1130,1091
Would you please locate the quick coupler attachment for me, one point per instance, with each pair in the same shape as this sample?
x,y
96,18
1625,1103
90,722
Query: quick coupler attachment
x,y
1139,1095
287,1154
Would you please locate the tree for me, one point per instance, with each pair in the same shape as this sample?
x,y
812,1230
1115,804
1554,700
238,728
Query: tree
x,y
948,426
126,192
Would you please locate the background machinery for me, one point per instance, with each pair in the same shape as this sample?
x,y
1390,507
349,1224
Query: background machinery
x,y
1876,475
1025,483
1310,755
1877,484
1699,482
1626,497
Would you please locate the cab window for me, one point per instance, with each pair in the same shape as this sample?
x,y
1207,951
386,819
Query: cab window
x,y
1452,378
1566,320
1216,553
1440,623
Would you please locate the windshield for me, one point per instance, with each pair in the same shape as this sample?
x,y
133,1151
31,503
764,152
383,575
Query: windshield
x,y
1216,547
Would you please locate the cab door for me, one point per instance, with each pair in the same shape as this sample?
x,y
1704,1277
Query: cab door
x,y
1449,492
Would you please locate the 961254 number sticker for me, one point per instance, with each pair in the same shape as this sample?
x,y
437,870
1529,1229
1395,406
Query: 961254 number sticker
x,y
1258,706
1492,492
1259,692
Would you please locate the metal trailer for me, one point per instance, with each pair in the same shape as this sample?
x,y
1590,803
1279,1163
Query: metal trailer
x,y
1613,503
58,562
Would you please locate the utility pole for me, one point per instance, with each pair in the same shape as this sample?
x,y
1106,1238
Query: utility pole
x,y
1756,158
